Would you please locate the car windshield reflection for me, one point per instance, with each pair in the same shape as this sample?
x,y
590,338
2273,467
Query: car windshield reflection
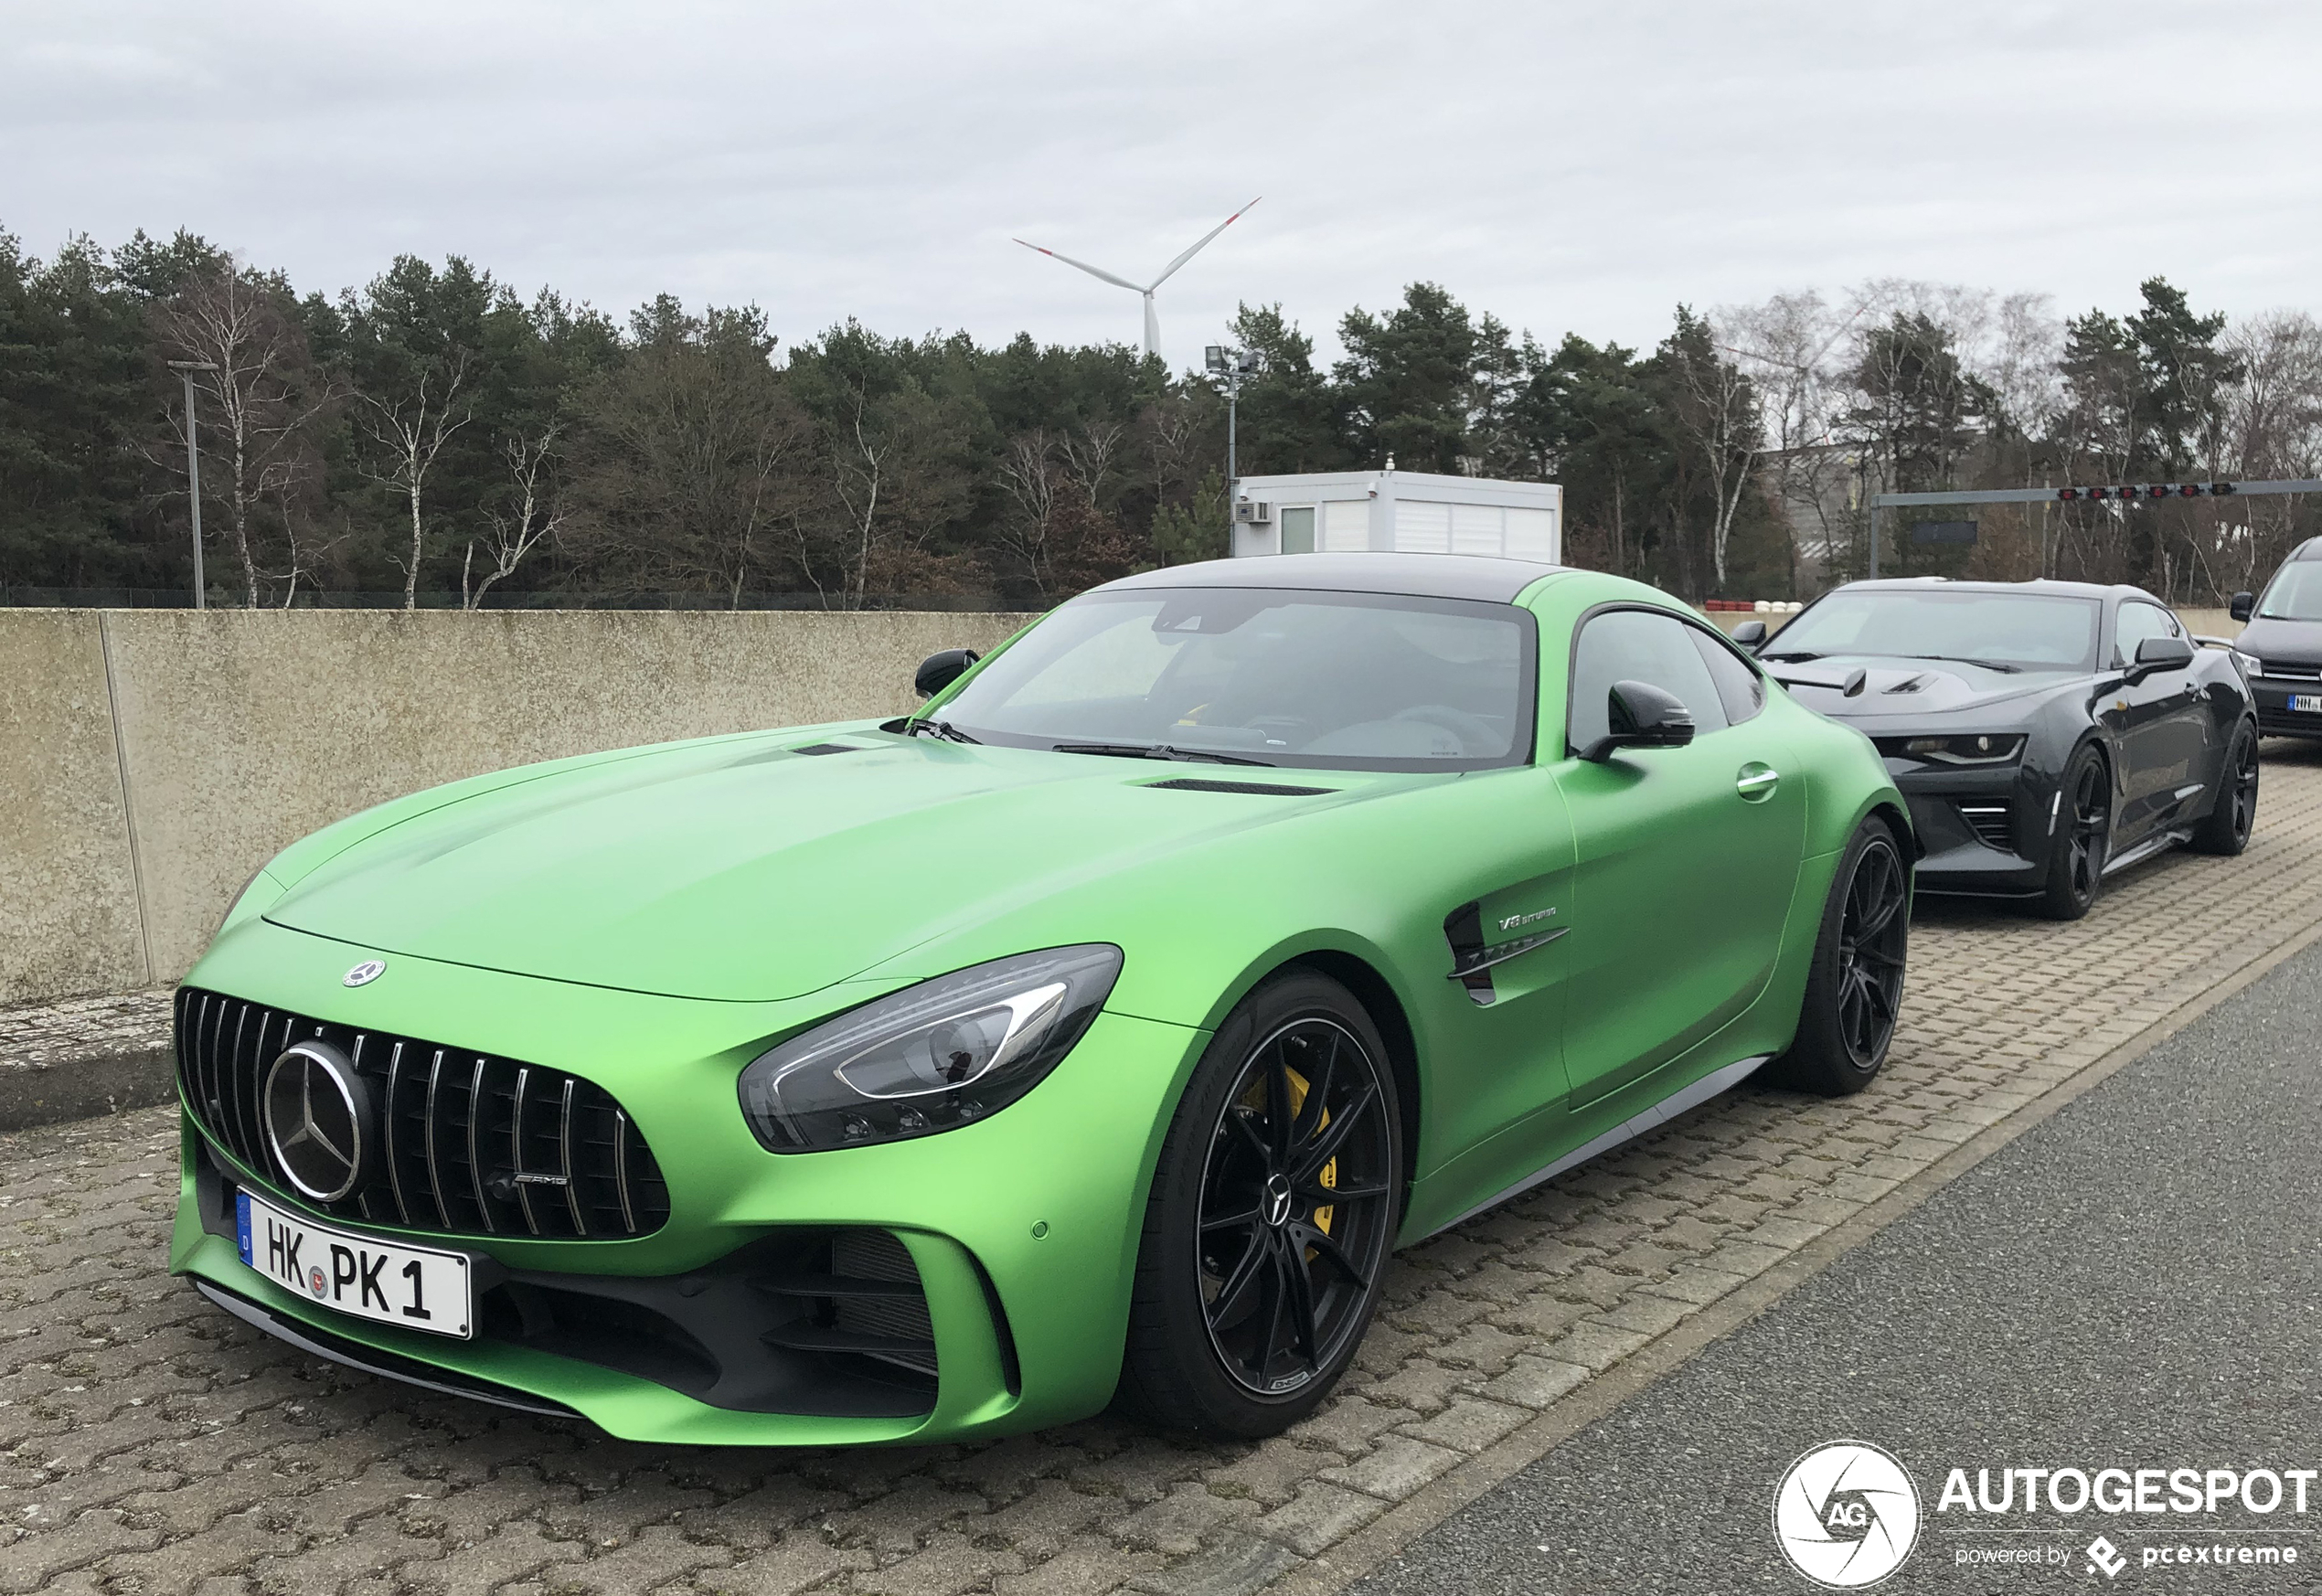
x,y
2004,632
1319,680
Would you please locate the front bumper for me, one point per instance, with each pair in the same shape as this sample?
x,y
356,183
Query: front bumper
x,y
1021,1230
1986,833
2275,718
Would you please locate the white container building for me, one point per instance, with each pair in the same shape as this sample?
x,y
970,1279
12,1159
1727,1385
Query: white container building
x,y
1409,512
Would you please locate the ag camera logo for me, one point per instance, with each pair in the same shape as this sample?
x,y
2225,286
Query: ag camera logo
x,y
1846,1515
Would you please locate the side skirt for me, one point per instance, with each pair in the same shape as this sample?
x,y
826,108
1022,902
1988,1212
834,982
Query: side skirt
x,y
1689,1097
2145,850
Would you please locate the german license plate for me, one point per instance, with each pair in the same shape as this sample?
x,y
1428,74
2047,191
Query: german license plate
x,y
415,1287
2306,703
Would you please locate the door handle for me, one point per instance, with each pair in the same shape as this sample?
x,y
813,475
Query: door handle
x,y
1756,782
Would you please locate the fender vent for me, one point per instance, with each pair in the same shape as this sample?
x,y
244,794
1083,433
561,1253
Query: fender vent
x,y
1256,789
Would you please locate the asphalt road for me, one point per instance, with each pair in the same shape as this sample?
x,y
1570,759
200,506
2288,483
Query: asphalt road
x,y
2136,1282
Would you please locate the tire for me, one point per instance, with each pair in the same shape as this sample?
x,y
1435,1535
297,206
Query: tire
x,y
1854,987
2082,838
1251,1295
2226,829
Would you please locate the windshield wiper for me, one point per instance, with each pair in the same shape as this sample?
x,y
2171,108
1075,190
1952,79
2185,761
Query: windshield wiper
x,y
2001,666
938,729
1156,750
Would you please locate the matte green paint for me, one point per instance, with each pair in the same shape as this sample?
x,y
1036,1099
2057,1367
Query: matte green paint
x,y
654,919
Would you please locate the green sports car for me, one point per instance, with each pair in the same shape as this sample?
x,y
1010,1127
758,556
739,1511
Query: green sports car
x,y
1090,1034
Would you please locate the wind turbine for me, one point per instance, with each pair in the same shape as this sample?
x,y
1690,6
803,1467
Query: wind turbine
x,y
1152,318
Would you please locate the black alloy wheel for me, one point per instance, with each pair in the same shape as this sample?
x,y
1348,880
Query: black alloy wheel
x,y
1873,926
1294,1206
1273,1208
1854,985
2083,840
2226,828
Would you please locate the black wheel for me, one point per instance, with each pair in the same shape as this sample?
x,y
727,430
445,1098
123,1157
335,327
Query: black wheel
x,y
1854,987
2082,838
2226,829
1273,1210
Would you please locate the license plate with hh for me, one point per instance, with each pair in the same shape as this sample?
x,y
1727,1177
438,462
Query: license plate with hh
x,y
2306,703
415,1287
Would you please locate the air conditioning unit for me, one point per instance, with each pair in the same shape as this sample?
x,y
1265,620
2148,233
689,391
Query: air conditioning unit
x,y
1253,513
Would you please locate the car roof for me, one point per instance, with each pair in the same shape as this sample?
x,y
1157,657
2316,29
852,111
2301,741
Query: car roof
x,y
2044,585
1425,576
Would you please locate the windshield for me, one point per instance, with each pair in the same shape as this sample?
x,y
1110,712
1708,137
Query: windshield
x,y
2294,593
1330,681
2022,631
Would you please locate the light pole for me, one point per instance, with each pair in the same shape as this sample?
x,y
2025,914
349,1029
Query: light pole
x,y
186,369
1234,365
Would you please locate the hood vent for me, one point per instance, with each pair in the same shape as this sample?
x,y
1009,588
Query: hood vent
x,y
1910,684
1257,789
829,747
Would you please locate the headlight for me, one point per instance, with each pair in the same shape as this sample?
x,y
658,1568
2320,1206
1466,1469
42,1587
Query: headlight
x,y
930,1057
1976,749
2251,663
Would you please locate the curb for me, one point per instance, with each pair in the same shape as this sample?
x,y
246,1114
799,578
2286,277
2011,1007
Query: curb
x,y
1387,1536
86,1088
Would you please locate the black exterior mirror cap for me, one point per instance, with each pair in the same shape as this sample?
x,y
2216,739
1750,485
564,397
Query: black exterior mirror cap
x,y
1750,634
2164,653
940,670
2242,605
1640,715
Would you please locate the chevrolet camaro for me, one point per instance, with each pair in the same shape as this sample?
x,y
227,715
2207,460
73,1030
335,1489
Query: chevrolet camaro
x,y
2046,734
1090,1034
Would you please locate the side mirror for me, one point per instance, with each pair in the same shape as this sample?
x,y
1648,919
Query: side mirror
x,y
1750,634
939,671
1639,715
2163,653
2241,606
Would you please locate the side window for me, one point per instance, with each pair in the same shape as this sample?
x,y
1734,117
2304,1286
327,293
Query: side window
x,y
1638,646
2139,621
1740,688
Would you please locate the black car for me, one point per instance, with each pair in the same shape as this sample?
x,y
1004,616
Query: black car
x,y
2281,648
2044,733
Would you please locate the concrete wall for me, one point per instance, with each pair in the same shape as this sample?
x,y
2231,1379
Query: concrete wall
x,y
151,760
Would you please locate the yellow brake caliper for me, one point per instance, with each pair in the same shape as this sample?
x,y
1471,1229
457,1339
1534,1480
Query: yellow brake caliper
x,y
1255,1101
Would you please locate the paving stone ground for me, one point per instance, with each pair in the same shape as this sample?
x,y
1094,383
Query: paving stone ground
x,y
148,1444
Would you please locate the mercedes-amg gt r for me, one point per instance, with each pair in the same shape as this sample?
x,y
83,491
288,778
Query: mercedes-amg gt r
x,y
1092,1033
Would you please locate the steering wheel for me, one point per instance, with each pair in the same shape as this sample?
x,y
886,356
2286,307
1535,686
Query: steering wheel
x,y
1475,734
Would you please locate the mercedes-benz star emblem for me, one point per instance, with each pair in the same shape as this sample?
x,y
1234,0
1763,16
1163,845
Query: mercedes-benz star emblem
x,y
318,1120
363,973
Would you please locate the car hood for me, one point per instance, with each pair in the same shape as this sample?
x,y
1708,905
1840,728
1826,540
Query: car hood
x,y
743,871
2291,641
1898,689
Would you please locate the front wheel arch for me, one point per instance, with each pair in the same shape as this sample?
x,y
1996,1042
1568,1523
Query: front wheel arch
x,y
1379,1000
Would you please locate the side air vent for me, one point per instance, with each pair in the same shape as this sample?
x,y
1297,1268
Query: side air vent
x,y
1256,789
1989,823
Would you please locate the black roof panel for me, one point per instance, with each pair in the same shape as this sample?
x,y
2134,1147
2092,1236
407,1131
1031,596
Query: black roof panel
x,y
1426,576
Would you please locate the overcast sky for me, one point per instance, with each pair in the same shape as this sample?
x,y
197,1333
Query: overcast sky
x,y
1566,166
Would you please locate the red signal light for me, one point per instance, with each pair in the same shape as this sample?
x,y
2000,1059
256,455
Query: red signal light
x,y
2097,493
2068,494
2192,490
2158,491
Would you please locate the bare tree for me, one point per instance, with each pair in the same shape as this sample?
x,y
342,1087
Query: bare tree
x,y
1716,411
1028,476
411,432
537,511
261,398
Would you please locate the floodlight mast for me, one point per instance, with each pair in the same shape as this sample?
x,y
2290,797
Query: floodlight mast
x,y
186,369
1152,317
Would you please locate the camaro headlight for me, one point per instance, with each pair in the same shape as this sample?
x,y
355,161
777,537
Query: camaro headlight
x,y
1975,749
930,1057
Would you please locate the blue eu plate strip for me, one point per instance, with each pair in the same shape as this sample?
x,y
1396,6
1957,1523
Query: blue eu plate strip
x,y
241,1223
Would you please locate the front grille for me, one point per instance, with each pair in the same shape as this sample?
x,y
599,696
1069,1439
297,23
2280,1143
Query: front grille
x,y
1989,821
461,1142
2283,671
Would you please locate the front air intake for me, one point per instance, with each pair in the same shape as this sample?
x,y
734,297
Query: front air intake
x,y
462,1143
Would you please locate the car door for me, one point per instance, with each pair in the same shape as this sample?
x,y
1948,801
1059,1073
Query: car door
x,y
1686,857
2162,726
